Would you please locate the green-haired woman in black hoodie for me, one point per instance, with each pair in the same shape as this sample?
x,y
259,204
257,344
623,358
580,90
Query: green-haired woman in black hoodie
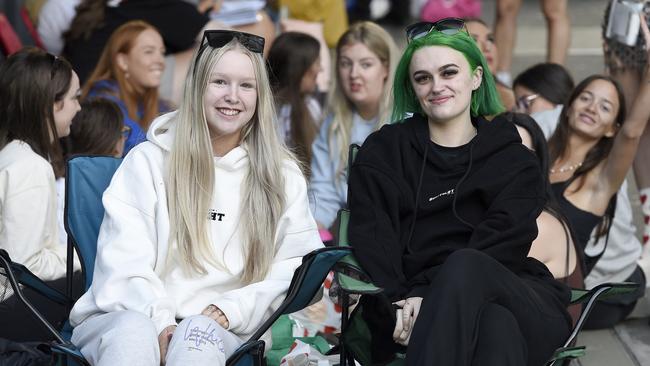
x,y
443,208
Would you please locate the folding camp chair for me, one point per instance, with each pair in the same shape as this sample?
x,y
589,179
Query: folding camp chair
x,y
86,180
17,275
306,282
356,336
588,298
89,177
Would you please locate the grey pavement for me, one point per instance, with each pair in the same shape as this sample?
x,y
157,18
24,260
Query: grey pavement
x,y
627,344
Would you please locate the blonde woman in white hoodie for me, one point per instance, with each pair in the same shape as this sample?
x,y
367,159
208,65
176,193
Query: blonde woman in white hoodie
x,y
205,222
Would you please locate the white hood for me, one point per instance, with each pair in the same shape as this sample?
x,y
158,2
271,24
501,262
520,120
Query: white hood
x,y
163,130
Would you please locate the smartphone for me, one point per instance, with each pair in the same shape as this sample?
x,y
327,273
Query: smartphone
x,y
624,24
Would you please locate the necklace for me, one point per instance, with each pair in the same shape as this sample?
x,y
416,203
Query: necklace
x,y
566,168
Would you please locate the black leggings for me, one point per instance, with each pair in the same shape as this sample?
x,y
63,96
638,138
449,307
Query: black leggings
x,y
477,312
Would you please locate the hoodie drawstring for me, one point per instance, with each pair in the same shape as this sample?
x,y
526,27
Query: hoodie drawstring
x,y
417,197
453,203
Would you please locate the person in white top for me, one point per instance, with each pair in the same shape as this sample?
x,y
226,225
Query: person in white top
x,y
38,99
205,222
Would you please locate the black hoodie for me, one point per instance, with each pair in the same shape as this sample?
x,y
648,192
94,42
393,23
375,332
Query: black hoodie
x,y
484,195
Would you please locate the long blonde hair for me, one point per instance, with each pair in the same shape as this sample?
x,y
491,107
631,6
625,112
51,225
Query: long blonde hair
x,y
191,173
340,108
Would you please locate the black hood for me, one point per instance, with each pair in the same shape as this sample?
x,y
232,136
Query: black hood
x,y
491,137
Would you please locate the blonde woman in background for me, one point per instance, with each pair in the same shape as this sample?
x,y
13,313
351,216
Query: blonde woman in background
x,y
359,103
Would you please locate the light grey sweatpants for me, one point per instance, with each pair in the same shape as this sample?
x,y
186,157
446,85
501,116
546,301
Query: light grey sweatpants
x,y
129,338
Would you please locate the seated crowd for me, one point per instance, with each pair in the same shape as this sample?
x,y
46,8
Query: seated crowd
x,y
475,205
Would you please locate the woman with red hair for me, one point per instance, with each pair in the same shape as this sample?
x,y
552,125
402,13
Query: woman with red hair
x,y
129,73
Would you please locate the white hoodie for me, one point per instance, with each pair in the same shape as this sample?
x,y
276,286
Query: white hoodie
x,y
133,243
28,226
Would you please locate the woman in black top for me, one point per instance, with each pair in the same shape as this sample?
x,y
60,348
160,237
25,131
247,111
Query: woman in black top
x,y
443,208
591,152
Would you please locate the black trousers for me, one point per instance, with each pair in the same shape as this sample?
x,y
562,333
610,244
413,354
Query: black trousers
x,y
19,324
477,312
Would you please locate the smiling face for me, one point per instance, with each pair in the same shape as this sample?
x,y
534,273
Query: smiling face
x,y
593,112
67,108
145,61
443,82
230,97
485,41
362,75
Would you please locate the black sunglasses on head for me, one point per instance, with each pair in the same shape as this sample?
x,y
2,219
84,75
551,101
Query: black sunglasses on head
x,y
447,26
219,38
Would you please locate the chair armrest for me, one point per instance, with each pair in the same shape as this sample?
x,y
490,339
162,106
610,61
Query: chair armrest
x,y
605,290
250,353
611,289
27,278
566,353
68,349
352,285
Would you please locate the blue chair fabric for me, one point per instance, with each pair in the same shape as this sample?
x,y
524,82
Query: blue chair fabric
x,y
87,177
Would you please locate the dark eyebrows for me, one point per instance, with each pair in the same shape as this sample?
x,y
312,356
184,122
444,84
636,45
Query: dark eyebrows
x,y
421,72
441,68
447,66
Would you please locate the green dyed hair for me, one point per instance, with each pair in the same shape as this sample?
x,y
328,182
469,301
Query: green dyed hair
x,y
485,99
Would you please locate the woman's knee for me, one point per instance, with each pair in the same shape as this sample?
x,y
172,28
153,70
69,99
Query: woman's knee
x,y
118,338
129,326
466,262
554,10
197,340
467,270
508,8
